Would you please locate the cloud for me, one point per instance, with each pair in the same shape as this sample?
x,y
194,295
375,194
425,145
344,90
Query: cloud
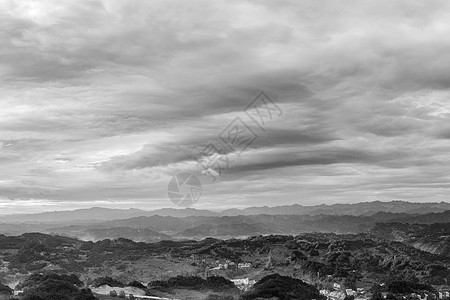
x,y
105,100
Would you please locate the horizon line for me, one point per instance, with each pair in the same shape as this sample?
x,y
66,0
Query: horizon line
x,y
219,211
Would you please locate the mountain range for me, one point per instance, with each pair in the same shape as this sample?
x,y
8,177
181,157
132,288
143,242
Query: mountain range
x,y
156,228
356,209
174,224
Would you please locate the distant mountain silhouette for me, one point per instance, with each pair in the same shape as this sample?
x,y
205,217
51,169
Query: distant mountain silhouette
x,y
181,213
381,211
88,214
356,209
427,218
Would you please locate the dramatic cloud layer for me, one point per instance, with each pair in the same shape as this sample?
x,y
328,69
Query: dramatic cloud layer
x,y
102,102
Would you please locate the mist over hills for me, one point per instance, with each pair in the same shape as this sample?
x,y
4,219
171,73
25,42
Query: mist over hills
x,y
88,214
356,209
198,227
175,224
155,228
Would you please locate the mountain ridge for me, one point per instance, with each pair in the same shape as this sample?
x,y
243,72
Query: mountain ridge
x,y
356,209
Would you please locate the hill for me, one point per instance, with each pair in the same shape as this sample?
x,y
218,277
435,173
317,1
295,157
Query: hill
x,y
433,238
320,256
355,209
98,214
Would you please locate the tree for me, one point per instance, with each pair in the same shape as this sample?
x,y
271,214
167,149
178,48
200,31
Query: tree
x,y
107,281
6,289
349,283
282,287
54,287
403,287
390,296
219,297
136,284
377,296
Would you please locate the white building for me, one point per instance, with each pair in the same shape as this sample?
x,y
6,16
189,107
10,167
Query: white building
x,y
243,283
244,265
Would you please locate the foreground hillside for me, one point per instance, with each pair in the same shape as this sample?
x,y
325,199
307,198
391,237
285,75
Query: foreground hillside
x,y
433,238
361,258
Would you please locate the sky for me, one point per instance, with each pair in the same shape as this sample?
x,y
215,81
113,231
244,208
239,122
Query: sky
x,y
103,102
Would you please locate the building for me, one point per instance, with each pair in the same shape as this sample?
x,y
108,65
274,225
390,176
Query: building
x,y
333,295
153,298
244,265
350,292
243,283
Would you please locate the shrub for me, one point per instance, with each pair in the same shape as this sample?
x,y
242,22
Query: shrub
x,y
282,287
403,287
5,288
136,284
107,281
36,278
194,282
219,283
219,297
55,287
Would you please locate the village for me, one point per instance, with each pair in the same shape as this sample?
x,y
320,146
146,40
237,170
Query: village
x,y
228,264
242,283
340,293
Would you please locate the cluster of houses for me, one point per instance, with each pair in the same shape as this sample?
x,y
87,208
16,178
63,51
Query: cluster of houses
x,y
244,283
122,294
360,294
443,295
339,294
231,265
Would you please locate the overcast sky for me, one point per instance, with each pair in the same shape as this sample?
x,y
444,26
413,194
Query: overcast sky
x,y
102,102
